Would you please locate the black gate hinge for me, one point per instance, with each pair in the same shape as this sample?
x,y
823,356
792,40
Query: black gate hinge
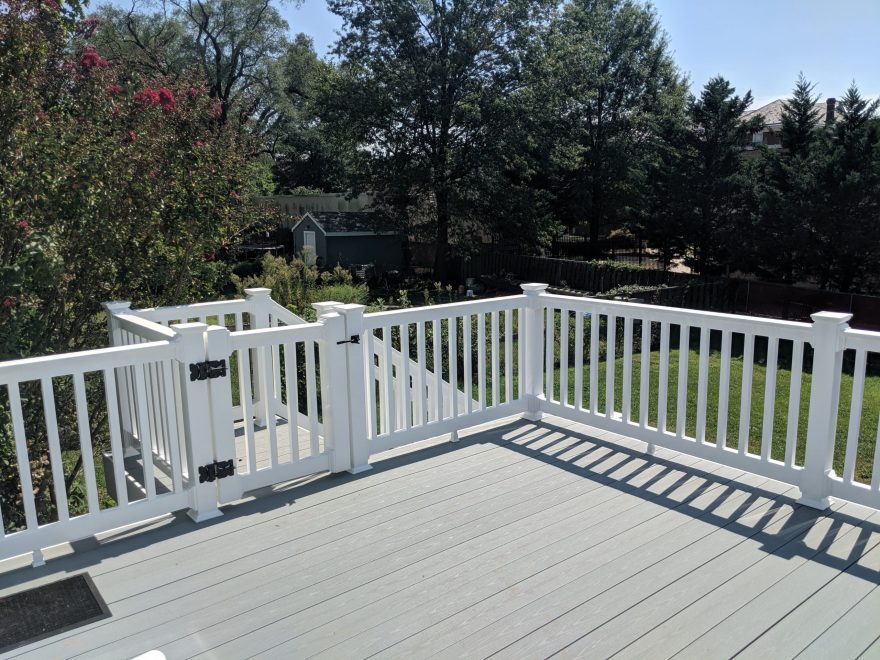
x,y
354,339
207,369
216,470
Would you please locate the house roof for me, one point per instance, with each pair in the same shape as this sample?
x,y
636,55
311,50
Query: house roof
x,y
772,112
351,222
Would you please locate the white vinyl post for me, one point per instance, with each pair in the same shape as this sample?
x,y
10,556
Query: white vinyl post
x,y
222,428
123,392
534,339
334,388
827,342
358,395
259,301
196,406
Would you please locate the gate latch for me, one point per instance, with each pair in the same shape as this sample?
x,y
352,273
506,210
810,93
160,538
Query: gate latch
x,y
216,470
354,339
207,369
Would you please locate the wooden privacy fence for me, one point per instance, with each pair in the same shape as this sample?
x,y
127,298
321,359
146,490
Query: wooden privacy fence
x,y
592,276
194,405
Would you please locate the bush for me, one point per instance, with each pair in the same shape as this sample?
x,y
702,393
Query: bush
x,y
113,186
296,285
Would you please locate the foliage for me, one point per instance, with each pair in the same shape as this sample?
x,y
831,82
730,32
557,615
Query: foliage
x,y
418,93
296,285
112,186
711,159
784,194
816,201
605,84
233,44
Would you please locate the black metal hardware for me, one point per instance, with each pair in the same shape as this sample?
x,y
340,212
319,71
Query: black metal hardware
x,y
216,470
355,339
207,369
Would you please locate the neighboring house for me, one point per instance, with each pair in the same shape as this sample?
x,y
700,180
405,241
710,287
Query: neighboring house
x,y
350,238
769,135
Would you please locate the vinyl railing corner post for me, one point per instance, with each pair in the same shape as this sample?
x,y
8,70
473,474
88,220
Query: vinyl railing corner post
x,y
827,343
124,393
357,393
197,427
259,302
533,385
334,386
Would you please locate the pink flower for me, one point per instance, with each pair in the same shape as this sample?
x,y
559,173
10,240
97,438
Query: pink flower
x,y
51,4
7,303
113,90
199,143
166,99
23,224
90,58
89,25
148,97
130,137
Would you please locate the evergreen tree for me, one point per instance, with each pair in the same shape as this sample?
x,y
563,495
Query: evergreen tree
x,y
712,156
799,118
845,230
785,190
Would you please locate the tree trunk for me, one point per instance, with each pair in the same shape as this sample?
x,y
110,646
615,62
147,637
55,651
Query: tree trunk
x,y
441,241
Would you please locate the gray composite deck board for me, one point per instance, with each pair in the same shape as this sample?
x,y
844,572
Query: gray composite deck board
x,y
522,540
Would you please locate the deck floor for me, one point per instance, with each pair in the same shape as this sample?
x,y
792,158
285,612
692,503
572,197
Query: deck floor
x,y
521,541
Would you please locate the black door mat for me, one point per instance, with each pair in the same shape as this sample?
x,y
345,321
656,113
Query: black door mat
x,y
48,610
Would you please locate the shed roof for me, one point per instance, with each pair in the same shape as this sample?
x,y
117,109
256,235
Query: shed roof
x,y
352,222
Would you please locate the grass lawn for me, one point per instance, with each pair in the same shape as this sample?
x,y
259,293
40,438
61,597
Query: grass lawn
x,y
869,417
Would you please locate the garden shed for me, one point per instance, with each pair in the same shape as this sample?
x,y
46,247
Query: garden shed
x,y
350,238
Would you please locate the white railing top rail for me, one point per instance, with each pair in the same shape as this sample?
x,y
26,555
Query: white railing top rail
x,y
281,313
217,308
275,336
861,339
63,364
447,310
734,322
144,328
195,310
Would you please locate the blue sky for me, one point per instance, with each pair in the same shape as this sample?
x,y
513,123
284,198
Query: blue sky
x,y
756,44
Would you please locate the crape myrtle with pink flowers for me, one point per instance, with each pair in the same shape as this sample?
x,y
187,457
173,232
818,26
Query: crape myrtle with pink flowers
x,y
113,185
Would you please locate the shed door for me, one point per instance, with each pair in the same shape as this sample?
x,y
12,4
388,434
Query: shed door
x,y
310,249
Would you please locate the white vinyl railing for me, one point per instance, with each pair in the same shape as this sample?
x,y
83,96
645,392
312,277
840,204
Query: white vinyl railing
x,y
795,402
74,398
435,370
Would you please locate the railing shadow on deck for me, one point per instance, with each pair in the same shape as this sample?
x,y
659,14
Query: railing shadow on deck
x,y
788,542
534,441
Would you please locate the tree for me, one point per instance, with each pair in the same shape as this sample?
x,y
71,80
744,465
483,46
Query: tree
x,y
112,186
231,43
785,192
713,165
799,119
302,151
845,232
418,92
609,82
